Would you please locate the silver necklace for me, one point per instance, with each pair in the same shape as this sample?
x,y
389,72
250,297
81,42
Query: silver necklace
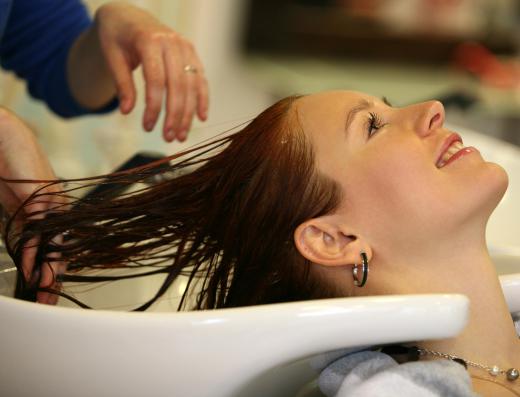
x,y
512,374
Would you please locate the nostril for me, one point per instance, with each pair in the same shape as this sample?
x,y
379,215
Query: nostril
x,y
434,119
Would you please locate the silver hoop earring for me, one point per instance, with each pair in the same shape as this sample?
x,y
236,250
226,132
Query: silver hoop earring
x,y
364,270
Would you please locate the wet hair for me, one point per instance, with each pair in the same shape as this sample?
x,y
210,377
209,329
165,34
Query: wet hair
x,y
224,215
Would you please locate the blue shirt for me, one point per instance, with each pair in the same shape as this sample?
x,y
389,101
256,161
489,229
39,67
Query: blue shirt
x,y
35,38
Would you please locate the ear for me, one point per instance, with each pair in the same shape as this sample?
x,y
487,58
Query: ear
x,y
328,242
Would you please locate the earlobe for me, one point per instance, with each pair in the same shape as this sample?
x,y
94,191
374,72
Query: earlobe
x,y
324,242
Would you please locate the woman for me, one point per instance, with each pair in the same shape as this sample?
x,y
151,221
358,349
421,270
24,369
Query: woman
x,y
312,187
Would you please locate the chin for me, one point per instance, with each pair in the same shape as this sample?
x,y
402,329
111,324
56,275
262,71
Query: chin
x,y
494,185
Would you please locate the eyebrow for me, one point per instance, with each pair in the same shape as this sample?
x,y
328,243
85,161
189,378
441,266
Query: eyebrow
x,y
386,101
363,104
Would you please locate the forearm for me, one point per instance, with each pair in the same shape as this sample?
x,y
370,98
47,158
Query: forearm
x,y
89,78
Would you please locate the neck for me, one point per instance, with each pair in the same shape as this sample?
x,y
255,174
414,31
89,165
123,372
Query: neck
x,y
490,337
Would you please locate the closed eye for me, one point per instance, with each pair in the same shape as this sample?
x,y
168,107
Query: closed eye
x,y
374,123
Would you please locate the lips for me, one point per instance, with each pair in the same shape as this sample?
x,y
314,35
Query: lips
x,y
449,150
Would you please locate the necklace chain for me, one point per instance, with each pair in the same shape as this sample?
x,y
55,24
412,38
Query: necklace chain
x,y
424,352
512,373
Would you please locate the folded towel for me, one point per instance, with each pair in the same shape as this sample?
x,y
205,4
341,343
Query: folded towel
x,y
375,374
358,372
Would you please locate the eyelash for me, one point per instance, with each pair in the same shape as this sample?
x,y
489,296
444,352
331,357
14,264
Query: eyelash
x,y
374,123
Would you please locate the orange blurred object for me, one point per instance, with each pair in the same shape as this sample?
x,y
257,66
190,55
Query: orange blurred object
x,y
478,60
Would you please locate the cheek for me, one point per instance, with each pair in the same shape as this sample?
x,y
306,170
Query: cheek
x,y
407,198
395,178
396,191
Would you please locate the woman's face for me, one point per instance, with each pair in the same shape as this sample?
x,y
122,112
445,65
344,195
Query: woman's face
x,y
391,165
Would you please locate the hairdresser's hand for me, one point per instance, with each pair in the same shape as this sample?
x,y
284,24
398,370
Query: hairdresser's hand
x,y
22,158
130,37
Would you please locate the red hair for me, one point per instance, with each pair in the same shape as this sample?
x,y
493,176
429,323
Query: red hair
x,y
226,216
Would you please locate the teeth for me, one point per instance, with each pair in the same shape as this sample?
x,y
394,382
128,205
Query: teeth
x,y
454,148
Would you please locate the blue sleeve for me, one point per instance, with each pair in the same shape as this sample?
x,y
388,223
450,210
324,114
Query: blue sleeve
x,y
35,45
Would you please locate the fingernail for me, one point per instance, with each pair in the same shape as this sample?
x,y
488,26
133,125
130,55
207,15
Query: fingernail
x,y
148,125
123,104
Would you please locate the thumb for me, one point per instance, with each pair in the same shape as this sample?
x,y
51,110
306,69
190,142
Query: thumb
x,y
8,199
122,75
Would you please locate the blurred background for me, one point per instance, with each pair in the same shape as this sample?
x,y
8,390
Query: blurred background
x,y
464,52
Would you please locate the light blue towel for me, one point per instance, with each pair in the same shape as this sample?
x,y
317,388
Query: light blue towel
x,y
375,374
363,373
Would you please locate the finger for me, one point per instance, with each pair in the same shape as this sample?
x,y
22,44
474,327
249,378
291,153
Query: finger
x,y
153,72
122,75
8,199
49,272
51,269
44,297
191,95
202,98
33,210
48,298
176,95
28,257
48,280
189,107
202,89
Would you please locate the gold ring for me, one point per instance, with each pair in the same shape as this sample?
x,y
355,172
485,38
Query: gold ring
x,y
190,69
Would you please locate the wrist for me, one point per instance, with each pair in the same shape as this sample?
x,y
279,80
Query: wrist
x,y
88,75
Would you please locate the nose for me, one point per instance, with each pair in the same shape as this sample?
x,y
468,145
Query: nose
x,y
431,117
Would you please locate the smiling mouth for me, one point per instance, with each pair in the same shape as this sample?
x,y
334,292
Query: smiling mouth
x,y
453,149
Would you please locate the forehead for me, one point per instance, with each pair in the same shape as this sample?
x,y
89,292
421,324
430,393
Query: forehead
x,y
326,111
322,117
